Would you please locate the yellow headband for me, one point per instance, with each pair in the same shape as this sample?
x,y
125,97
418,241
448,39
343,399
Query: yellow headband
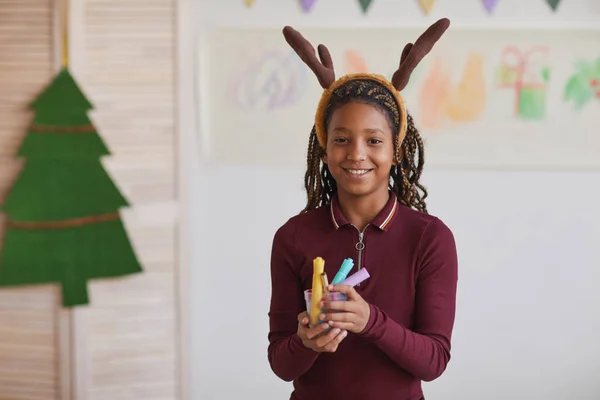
x,y
326,97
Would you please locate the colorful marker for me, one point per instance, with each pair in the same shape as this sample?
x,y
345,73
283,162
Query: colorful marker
x,y
325,283
317,290
343,272
356,278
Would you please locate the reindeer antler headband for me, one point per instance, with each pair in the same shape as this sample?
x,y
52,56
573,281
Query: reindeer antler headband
x,y
323,69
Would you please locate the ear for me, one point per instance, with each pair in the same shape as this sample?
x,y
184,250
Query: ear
x,y
324,157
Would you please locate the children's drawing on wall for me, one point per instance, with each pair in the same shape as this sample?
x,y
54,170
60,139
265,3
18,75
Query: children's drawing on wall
x,y
355,63
441,100
583,85
527,73
476,97
276,79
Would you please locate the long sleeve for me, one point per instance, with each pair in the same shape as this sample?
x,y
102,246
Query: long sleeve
x,y
287,355
424,351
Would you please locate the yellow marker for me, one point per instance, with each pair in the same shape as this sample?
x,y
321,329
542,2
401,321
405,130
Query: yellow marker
x,y
317,290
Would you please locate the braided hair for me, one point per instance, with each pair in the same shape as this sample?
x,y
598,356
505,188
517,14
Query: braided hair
x,y
404,176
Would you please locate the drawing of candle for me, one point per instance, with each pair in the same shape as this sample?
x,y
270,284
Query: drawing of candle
x,y
528,74
355,62
433,96
467,99
443,100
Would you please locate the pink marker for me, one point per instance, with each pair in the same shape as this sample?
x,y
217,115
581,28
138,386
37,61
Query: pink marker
x,y
356,278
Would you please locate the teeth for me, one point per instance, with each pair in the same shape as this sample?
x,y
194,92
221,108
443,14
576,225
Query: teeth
x,y
358,171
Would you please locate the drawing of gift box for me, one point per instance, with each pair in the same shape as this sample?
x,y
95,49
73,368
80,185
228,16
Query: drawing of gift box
x,y
528,74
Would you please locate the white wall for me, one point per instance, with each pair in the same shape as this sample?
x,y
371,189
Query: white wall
x,y
528,303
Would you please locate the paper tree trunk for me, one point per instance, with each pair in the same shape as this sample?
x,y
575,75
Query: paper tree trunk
x,y
63,215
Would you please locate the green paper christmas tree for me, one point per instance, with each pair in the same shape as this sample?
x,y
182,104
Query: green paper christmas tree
x,y
63,221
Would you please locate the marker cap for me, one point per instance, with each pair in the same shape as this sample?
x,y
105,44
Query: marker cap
x,y
344,269
318,265
356,278
346,266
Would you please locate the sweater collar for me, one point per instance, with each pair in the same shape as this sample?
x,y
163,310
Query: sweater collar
x,y
382,220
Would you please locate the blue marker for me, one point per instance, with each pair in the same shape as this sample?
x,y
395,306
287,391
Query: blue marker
x,y
343,272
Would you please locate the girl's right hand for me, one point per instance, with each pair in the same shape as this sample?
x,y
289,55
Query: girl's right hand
x,y
313,337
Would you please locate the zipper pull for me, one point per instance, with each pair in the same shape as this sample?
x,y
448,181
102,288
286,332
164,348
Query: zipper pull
x,y
360,245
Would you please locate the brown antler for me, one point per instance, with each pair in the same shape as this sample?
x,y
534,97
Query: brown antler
x,y
405,53
323,69
414,53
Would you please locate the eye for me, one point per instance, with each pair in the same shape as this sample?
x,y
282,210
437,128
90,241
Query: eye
x,y
375,141
339,140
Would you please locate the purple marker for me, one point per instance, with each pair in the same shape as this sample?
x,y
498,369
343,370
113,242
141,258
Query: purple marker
x,y
356,278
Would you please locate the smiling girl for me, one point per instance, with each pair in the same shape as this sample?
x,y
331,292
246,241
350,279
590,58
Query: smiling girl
x,y
365,202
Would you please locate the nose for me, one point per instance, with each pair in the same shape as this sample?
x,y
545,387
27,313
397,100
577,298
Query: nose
x,y
357,152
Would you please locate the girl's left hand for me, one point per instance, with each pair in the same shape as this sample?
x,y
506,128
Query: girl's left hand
x,y
355,311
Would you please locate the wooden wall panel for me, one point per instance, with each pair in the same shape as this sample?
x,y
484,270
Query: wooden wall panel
x,y
126,64
29,354
124,345
28,343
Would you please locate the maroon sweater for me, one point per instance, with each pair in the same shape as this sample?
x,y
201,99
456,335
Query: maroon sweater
x,y
412,260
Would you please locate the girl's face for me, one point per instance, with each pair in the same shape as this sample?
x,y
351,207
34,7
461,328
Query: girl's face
x,y
360,149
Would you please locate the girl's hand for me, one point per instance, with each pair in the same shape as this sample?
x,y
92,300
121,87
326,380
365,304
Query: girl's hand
x,y
316,338
355,311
